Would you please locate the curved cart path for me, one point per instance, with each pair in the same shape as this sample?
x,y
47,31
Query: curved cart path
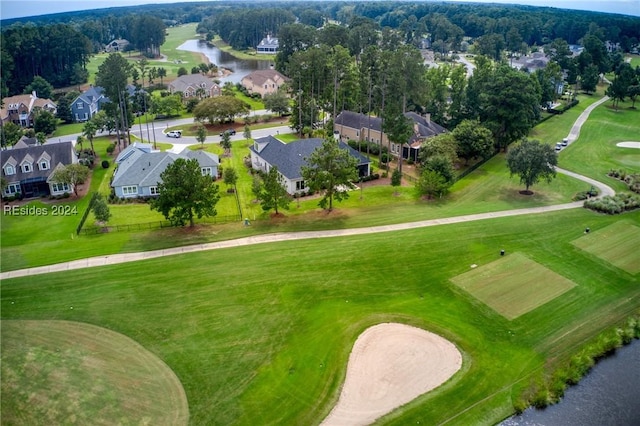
x,y
291,236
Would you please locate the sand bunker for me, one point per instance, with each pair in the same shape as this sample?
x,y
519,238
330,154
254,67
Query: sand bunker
x,y
390,365
629,145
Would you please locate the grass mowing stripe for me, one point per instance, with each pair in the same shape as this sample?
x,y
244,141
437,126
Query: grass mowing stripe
x,y
617,244
54,372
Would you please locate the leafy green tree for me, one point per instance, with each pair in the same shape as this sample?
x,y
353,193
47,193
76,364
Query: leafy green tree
x,y
532,161
201,134
443,166
220,109
633,92
182,71
168,105
396,178
247,131
443,144
89,131
230,178
10,133
103,122
162,73
45,122
330,169
618,90
511,105
72,174
113,75
256,186
100,208
589,79
225,143
473,140
185,193
273,194
41,137
431,184
277,102
63,110
398,129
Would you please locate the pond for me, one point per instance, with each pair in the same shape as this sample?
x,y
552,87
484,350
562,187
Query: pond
x,y
239,67
608,395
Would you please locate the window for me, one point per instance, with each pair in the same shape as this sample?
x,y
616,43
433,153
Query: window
x,y
129,190
153,190
60,187
12,188
9,170
26,168
44,165
206,171
300,185
80,105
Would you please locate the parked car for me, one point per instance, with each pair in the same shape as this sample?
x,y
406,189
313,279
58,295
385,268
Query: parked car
x,y
558,146
565,141
230,132
174,134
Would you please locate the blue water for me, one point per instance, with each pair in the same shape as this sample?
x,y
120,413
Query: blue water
x,y
608,396
240,67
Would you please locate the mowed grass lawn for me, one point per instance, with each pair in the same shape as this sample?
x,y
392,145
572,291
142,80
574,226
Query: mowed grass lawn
x,y
44,361
513,285
264,332
617,244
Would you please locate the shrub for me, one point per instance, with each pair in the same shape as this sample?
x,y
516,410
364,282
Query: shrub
x,y
614,205
105,164
111,148
384,158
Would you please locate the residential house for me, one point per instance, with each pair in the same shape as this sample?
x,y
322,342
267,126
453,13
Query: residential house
x,y
117,45
28,168
263,81
350,125
289,158
21,109
194,85
87,104
139,168
268,45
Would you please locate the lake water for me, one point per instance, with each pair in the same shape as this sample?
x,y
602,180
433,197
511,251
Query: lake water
x,y
608,396
240,67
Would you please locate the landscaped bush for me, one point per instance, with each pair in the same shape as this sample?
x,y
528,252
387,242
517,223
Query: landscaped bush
x,y
619,203
631,179
105,164
111,148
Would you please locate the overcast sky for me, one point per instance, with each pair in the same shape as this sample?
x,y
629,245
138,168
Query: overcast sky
x,y
23,8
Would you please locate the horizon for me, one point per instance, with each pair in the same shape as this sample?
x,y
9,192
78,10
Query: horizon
x,y
15,9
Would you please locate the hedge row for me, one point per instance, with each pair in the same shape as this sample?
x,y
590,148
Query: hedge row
x,y
631,179
617,204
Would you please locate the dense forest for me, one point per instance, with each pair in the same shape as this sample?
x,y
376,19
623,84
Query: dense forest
x,y
57,47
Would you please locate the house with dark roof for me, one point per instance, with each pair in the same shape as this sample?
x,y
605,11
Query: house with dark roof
x,y
263,82
351,125
20,109
139,168
195,85
28,168
289,158
268,45
117,45
87,104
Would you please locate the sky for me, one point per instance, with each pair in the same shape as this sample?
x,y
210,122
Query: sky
x,y
24,8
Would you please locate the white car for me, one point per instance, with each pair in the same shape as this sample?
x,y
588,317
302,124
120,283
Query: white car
x,y
174,134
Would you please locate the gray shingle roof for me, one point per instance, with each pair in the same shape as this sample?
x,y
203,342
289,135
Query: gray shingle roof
x,y
290,157
356,120
58,153
144,168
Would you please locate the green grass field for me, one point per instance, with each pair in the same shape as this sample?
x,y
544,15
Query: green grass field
x,y
617,244
45,361
513,285
264,331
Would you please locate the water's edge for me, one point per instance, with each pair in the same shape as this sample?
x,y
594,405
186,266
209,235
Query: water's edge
x,y
608,395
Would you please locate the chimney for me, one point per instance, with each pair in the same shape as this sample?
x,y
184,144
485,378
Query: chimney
x,y
33,93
